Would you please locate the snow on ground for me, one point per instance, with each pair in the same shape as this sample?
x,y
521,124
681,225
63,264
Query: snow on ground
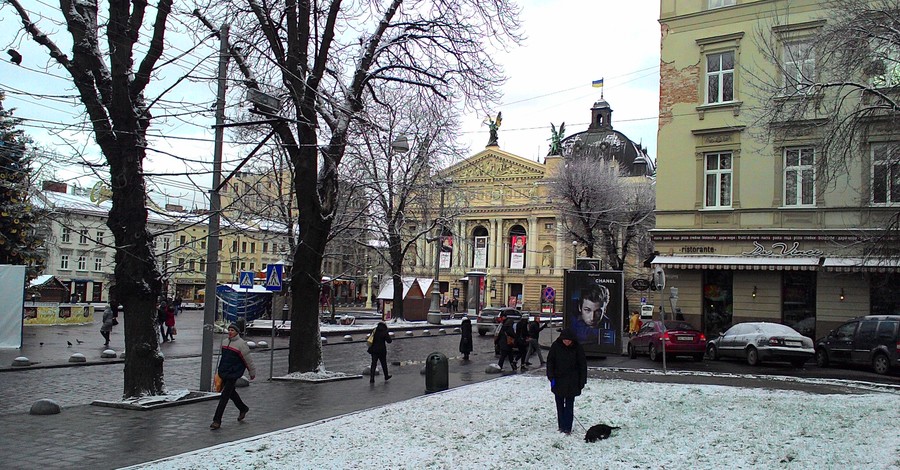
x,y
663,426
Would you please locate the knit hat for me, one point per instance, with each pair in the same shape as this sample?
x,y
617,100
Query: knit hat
x,y
234,326
567,333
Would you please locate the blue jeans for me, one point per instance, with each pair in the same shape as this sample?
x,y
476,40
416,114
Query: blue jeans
x,y
565,413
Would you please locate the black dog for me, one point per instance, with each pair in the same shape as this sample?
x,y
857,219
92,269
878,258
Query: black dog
x,y
598,432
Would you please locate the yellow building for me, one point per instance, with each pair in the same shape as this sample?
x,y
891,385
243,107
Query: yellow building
x,y
744,230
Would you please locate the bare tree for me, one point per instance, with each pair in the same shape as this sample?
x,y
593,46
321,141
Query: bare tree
x,y
328,58
607,210
838,88
112,91
399,181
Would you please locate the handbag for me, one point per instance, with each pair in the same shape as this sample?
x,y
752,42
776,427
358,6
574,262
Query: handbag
x,y
218,383
371,338
174,331
510,341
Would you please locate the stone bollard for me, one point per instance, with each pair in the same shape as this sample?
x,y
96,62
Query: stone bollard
x,y
262,345
442,331
493,369
348,337
45,406
426,333
108,354
242,382
251,344
21,361
457,330
409,333
77,357
323,339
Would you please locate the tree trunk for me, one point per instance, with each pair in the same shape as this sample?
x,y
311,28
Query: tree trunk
x,y
397,278
137,281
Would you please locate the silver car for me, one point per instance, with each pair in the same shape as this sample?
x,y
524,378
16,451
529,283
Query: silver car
x,y
760,341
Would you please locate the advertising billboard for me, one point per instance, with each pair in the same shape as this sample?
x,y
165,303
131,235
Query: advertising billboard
x,y
594,302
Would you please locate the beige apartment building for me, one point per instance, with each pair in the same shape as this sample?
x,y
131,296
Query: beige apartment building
x,y
744,230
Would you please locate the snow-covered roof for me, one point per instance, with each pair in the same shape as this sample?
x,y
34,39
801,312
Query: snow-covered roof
x,y
387,290
40,280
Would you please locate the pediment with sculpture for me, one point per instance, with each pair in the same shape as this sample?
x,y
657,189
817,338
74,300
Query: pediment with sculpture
x,y
493,164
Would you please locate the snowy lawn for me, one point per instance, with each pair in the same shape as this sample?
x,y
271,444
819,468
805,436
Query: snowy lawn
x,y
663,426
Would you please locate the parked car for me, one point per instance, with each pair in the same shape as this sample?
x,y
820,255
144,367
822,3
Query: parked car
x,y
489,318
870,340
681,339
760,341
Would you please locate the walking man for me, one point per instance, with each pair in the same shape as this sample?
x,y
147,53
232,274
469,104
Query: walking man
x,y
234,360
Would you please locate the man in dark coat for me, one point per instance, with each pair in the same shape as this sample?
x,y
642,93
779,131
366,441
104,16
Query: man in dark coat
x,y
378,350
506,341
465,338
567,371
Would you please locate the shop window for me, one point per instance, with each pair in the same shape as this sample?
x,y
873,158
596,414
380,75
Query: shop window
x,y
883,293
718,305
798,301
799,181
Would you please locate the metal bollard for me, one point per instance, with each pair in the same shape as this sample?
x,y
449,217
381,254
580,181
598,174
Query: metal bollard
x,y
437,373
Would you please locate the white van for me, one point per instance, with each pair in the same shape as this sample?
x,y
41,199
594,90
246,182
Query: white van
x,y
646,312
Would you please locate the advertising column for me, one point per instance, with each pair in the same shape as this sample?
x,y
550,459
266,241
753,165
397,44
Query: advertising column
x,y
594,302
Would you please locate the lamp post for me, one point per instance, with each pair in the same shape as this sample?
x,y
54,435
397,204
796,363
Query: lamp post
x,y
574,254
434,311
369,289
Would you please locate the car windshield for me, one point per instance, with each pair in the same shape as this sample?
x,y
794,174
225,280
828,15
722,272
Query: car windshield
x,y
774,329
679,325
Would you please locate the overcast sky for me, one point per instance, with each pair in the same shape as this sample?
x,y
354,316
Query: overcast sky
x,y
568,45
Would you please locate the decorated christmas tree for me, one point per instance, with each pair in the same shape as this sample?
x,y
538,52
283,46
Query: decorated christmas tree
x,y
18,243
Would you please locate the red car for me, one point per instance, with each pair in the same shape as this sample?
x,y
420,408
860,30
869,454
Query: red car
x,y
681,339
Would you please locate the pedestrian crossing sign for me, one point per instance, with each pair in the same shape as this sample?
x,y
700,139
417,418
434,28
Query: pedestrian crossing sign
x,y
246,279
274,274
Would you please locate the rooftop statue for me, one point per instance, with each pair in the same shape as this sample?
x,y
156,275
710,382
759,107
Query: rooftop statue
x,y
556,138
493,125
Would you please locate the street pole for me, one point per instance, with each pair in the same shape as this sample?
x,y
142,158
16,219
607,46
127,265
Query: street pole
x,y
436,288
369,289
215,205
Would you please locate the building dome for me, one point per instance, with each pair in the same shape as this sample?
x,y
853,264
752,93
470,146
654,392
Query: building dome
x,y
600,140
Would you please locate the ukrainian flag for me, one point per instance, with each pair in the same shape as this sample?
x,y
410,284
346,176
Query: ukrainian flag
x,y
597,83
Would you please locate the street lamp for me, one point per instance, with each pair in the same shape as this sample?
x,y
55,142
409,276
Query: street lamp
x,y
369,289
434,311
574,254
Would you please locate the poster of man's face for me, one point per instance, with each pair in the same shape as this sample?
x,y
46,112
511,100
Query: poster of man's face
x,y
594,309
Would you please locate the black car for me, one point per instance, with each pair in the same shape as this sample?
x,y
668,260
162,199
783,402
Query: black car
x,y
872,340
489,318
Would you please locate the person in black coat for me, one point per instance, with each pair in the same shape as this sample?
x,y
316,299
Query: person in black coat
x,y
522,340
465,338
534,346
378,350
567,371
506,341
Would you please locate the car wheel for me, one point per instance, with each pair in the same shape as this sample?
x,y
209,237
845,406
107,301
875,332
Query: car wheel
x,y
631,352
654,354
698,357
881,363
712,352
821,357
752,356
798,362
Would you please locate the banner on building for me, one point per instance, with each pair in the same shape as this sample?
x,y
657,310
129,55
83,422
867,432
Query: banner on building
x,y
446,251
517,253
594,302
481,247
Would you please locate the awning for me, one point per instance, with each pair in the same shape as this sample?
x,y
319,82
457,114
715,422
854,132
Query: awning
x,y
879,265
747,263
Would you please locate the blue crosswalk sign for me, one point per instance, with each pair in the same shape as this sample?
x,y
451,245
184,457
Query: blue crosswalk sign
x,y
274,274
246,279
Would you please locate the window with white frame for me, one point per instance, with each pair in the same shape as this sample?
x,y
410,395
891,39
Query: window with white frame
x,y
713,4
885,64
83,236
799,176
100,235
718,179
98,264
886,173
799,66
82,263
720,77
66,234
166,244
64,262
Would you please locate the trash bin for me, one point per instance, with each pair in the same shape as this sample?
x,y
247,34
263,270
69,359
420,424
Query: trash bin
x,y
437,373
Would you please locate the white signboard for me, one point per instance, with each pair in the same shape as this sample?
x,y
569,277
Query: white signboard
x,y
481,246
517,253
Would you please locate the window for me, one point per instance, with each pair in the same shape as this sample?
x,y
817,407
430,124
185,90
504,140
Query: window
x,y
191,264
100,235
233,267
183,239
885,65
274,248
202,244
718,179
252,266
83,236
64,262
98,264
720,77
220,244
166,244
886,173
799,66
243,266
202,265
799,186
265,247
82,263
252,247
243,247
713,4
180,263
233,246
548,226
66,234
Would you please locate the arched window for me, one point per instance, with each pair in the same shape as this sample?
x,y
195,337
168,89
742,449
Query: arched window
x,y
517,247
480,251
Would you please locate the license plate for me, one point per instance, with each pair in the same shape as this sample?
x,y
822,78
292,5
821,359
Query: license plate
x,y
793,343
685,338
